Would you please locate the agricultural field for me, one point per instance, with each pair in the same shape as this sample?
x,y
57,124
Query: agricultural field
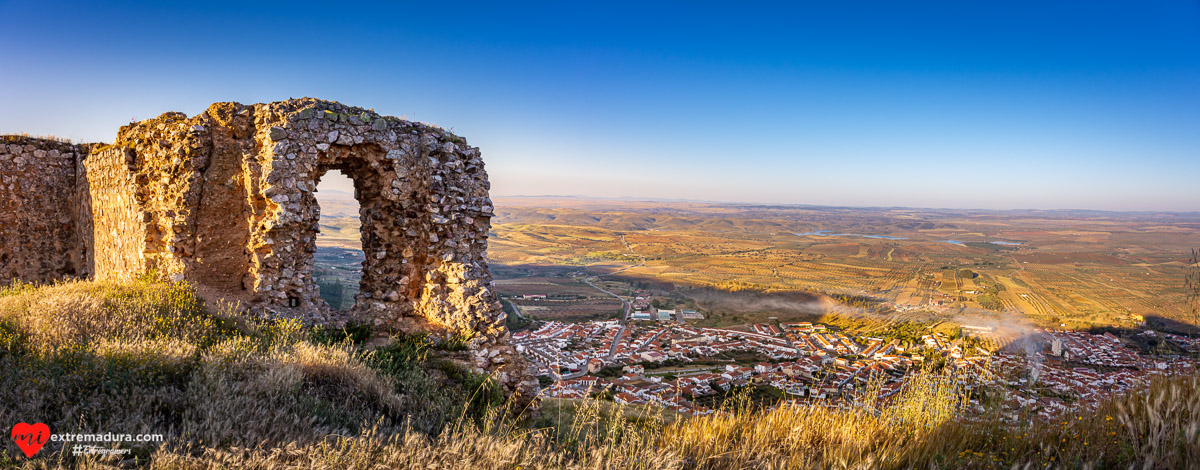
x,y
340,232
566,296
562,298
1075,269
338,272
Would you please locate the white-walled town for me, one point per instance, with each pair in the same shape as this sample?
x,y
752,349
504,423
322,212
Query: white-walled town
x,y
655,357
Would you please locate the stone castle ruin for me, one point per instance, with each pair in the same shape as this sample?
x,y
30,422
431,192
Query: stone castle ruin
x,y
225,200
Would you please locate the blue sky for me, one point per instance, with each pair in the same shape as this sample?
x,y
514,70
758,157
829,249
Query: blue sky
x,y
928,104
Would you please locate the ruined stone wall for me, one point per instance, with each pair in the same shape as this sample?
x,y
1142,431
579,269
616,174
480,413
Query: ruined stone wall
x,y
225,199
115,222
38,238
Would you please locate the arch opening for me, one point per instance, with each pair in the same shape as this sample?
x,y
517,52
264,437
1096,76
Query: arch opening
x,y
338,260
389,286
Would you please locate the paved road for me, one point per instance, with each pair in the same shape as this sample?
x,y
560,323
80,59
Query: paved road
x,y
517,310
620,333
651,340
589,279
625,303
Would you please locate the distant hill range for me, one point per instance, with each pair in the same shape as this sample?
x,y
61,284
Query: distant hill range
x,y
336,203
1071,268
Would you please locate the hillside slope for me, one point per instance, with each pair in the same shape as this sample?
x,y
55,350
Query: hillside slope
x,y
236,392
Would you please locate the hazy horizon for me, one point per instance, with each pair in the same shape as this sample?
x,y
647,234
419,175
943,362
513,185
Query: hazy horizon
x,y
944,105
336,181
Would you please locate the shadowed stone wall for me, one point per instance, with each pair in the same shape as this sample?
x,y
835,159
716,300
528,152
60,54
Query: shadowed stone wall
x,y
39,241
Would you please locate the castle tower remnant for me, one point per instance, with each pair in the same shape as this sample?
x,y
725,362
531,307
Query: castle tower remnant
x,y
225,200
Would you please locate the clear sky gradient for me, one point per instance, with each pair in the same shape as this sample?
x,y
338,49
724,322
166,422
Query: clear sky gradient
x,y
962,104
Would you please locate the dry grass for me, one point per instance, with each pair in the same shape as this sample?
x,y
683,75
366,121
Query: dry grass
x,y
234,392
149,357
872,433
600,435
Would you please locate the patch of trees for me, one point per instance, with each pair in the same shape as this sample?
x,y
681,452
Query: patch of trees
x,y
513,321
907,332
858,301
334,293
610,372
990,302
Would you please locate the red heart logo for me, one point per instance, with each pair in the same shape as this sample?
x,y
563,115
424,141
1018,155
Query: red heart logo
x,y
31,437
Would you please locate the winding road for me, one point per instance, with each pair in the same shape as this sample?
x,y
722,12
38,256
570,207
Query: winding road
x,y
625,303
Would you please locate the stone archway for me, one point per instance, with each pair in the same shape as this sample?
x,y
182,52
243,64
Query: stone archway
x,y
425,216
224,199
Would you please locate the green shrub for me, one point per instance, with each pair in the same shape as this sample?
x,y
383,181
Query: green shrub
x,y
354,332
